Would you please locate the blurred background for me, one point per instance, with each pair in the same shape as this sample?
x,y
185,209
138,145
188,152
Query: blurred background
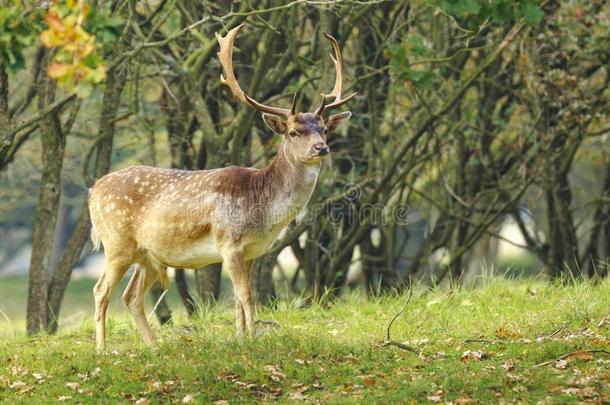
x,y
479,141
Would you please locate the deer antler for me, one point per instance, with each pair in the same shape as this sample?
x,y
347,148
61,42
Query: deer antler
x,y
226,60
338,88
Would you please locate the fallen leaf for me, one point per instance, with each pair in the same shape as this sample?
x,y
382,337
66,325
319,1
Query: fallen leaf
x,y
581,355
508,366
96,371
64,398
17,385
436,397
299,393
275,373
561,364
370,381
589,392
473,355
503,332
73,385
187,399
142,401
297,396
571,391
463,399
38,376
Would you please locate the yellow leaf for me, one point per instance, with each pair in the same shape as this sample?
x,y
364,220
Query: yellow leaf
x,y
54,21
57,70
85,50
97,75
50,39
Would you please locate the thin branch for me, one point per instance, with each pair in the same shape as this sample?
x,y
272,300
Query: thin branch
x,y
42,114
152,312
388,341
568,355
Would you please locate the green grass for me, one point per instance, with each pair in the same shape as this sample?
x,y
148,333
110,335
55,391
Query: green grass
x,y
332,354
77,306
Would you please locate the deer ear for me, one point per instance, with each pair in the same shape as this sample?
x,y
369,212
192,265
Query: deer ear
x,y
275,123
335,121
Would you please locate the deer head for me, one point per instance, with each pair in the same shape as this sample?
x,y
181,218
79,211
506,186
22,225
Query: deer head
x,y
305,133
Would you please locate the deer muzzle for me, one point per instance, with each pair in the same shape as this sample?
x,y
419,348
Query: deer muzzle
x,y
320,149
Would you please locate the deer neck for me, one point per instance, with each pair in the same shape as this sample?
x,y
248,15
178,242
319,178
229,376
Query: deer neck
x,y
291,185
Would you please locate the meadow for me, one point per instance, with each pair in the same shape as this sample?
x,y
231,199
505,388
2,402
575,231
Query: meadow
x,y
508,342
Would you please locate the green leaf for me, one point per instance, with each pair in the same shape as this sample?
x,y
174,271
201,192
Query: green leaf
x,y
415,45
531,12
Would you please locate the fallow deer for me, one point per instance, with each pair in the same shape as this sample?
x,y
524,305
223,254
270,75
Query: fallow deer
x,y
159,218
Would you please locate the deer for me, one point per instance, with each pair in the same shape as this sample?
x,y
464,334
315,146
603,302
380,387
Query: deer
x,y
155,218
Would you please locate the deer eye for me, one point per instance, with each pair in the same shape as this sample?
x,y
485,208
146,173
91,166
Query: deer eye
x,y
325,131
293,132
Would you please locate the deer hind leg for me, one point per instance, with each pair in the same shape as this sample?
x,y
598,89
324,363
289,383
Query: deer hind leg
x,y
114,270
239,272
240,317
133,297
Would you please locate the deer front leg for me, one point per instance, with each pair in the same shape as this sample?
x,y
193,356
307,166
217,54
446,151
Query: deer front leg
x,y
239,272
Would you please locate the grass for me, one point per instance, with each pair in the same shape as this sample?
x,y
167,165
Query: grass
x,y
332,354
77,306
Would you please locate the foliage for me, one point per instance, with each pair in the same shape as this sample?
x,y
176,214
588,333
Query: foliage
x,y
76,62
477,346
19,28
406,54
476,12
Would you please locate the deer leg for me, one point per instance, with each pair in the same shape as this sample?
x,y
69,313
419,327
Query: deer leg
x,y
240,318
130,289
133,297
239,272
114,271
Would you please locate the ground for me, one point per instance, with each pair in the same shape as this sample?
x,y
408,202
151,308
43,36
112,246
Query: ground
x,y
510,341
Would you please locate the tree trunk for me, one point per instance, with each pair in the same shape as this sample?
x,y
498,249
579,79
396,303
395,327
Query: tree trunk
x,y
53,146
262,279
183,292
592,260
5,120
208,283
561,233
115,83
61,276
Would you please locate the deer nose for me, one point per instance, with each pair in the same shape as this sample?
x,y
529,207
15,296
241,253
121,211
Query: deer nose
x,y
321,149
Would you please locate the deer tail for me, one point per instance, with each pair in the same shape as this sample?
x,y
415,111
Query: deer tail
x,y
95,239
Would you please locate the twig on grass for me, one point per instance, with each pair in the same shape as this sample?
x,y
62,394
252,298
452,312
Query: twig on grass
x,y
568,355
157,304
269,322
557,331
480,339
388,341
